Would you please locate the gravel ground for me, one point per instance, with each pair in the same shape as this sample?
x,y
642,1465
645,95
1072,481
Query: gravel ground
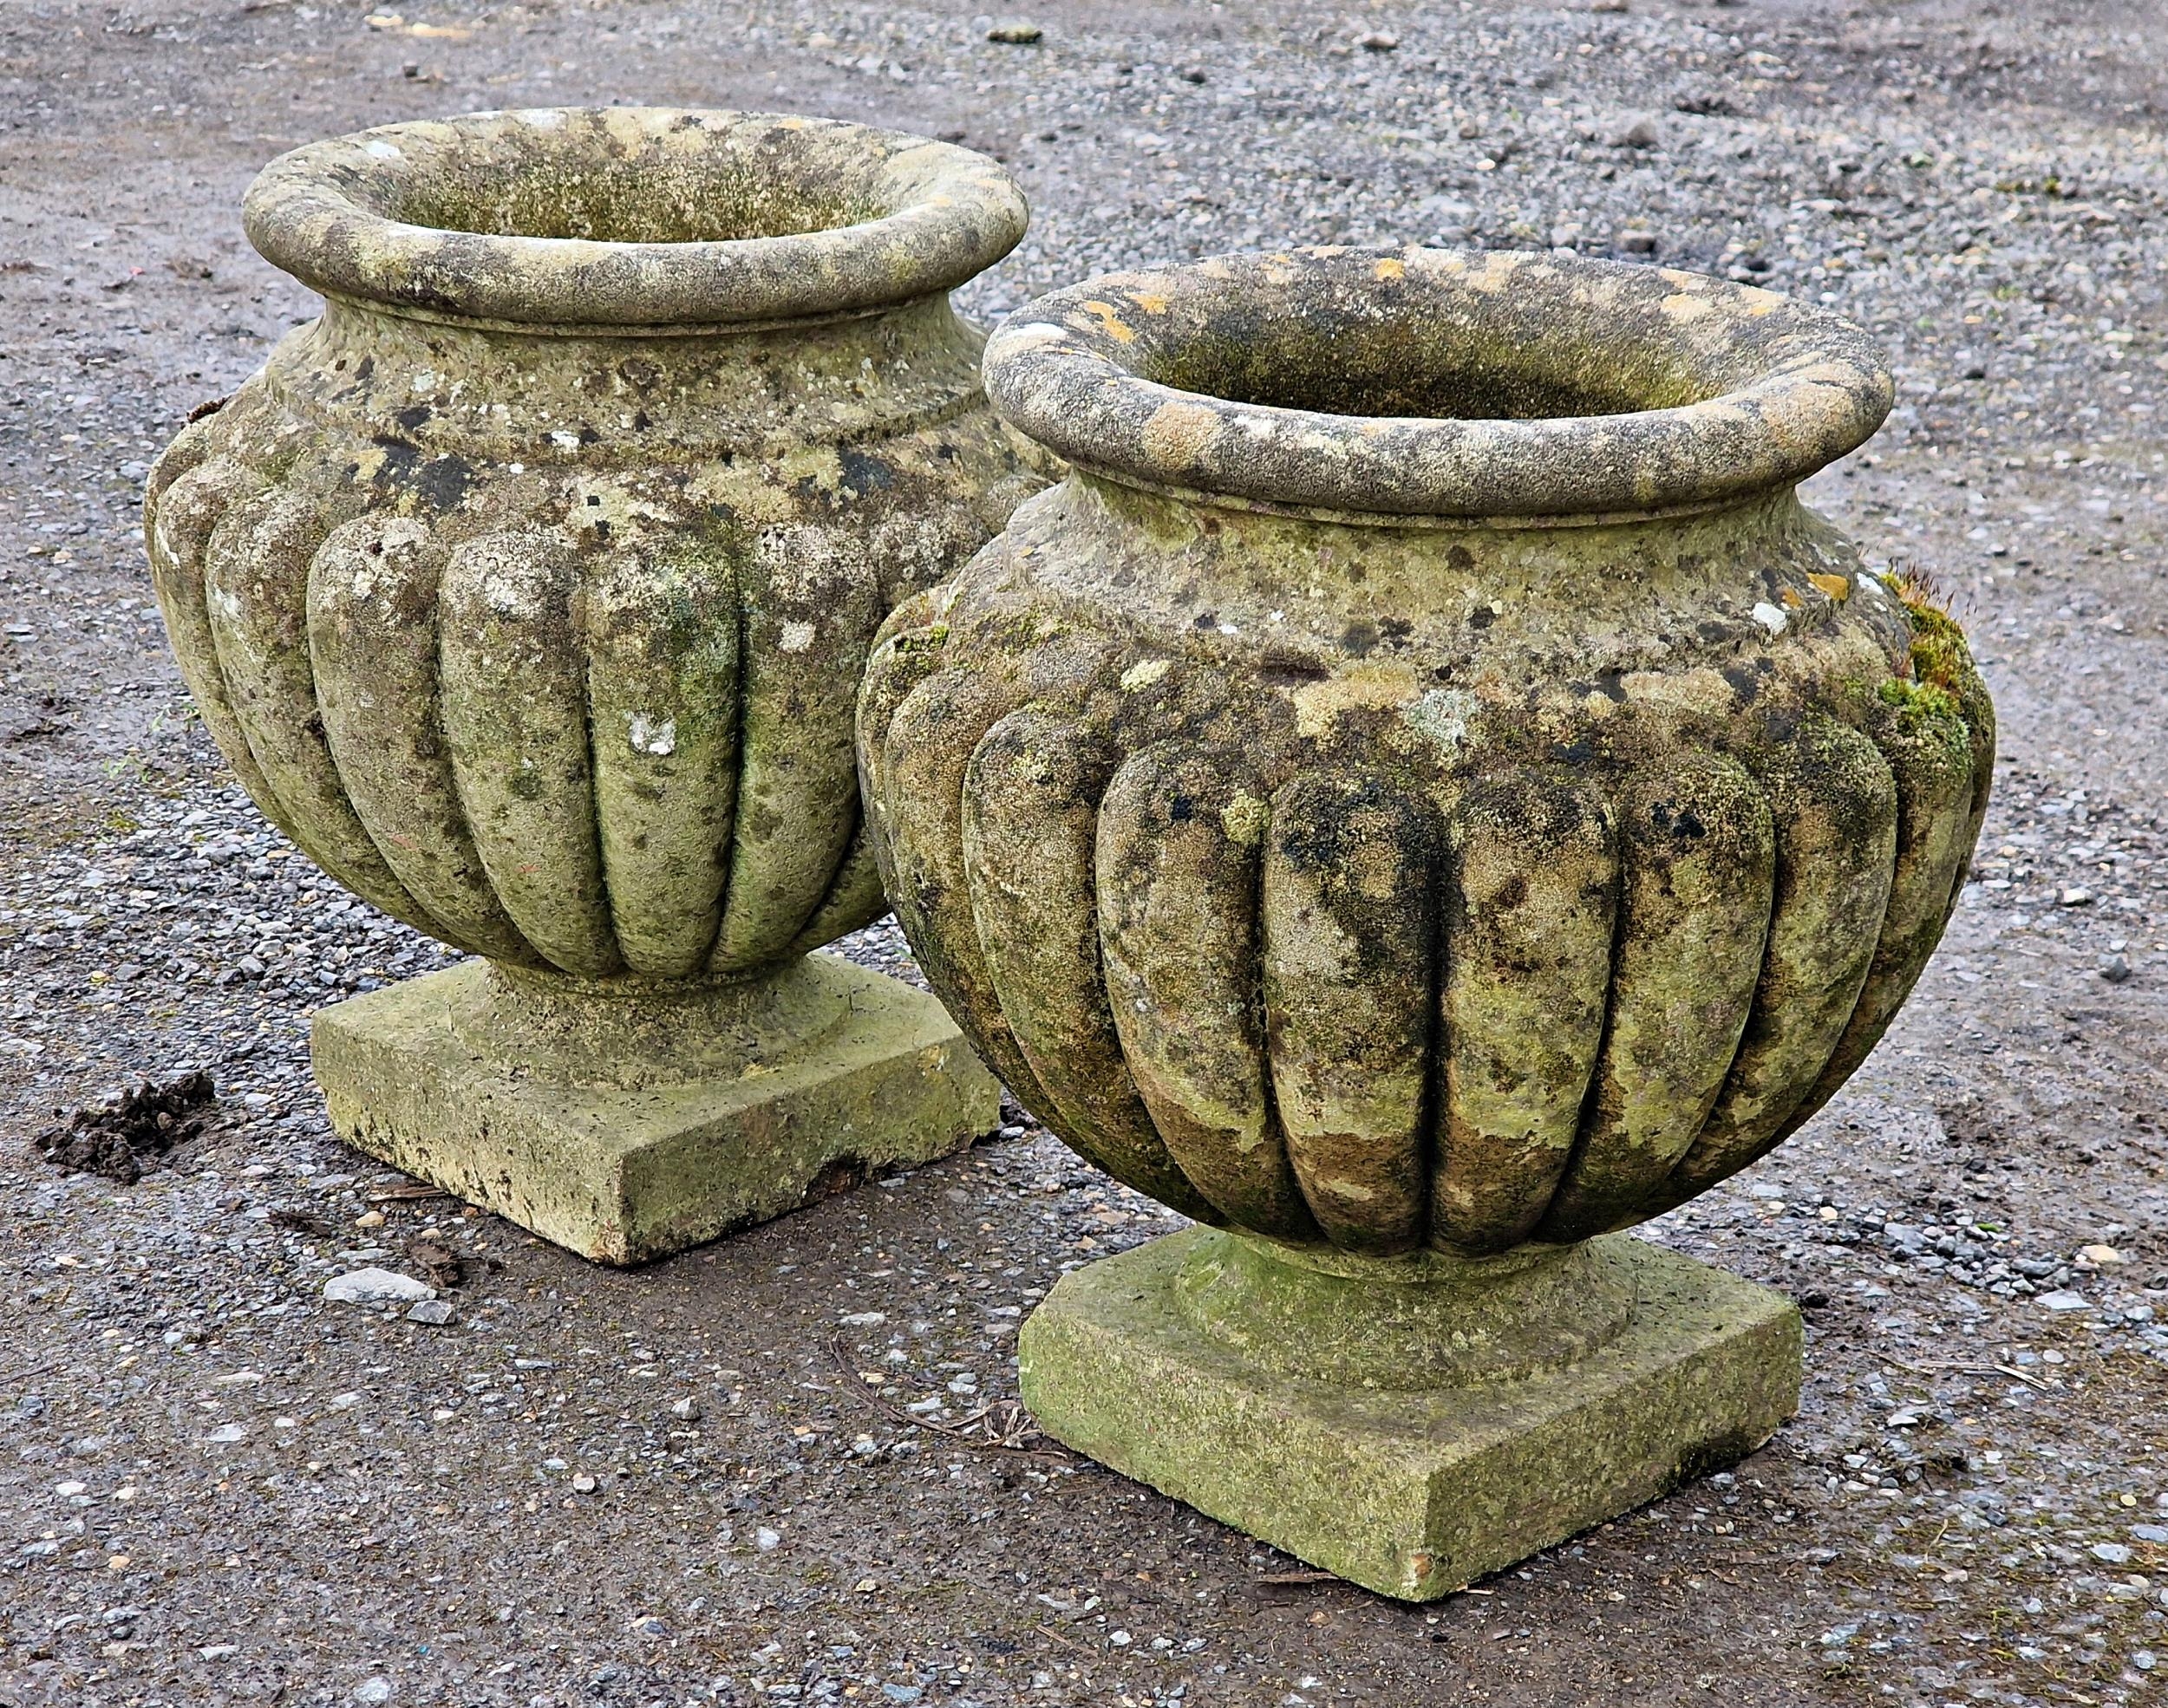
x,y
714,1478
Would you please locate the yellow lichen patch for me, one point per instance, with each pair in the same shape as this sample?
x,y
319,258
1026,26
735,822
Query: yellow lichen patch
x,y
1391,268
1683,306
1245,818
1151,302
1838,587
1704,690
1029,767
1792,600
1110,321
1318,949
1366,688
1178,432
607,501
1138,677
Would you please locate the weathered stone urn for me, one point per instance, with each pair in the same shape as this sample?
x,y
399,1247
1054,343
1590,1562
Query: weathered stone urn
x,y
1422,795
528,590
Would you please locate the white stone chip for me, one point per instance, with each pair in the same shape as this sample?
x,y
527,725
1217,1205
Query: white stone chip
x,y
375,1286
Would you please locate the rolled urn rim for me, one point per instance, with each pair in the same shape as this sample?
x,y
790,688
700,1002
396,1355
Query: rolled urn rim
x,y
1389,383
568,219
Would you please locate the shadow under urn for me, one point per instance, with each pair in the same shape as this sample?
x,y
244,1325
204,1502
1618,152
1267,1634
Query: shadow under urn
x,y
1422,796
528,590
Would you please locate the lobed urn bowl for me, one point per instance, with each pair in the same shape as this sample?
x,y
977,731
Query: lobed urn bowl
x,y
1421,795
527,590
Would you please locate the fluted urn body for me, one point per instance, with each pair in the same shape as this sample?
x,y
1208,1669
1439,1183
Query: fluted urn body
x,y
528,588
1424,780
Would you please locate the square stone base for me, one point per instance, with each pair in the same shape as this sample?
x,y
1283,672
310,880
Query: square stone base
x,y
1413,1493
658,1160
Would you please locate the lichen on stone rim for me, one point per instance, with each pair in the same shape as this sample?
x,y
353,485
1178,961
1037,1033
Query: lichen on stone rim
x,y
632,216
1413,383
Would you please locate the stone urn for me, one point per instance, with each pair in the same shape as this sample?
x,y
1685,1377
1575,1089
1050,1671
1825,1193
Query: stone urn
x,y
527,590
1421,796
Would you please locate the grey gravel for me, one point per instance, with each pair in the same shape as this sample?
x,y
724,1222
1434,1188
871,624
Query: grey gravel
x,y
503,1508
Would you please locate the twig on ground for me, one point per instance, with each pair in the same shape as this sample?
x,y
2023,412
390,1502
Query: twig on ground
x,y
1019,1435
1956,1369
414,1192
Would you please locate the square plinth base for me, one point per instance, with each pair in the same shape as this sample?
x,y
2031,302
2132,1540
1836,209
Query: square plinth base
x,y
623,1174
1413,1493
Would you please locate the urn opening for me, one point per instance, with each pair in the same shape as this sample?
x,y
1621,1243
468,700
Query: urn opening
x,y
1403,383
632,216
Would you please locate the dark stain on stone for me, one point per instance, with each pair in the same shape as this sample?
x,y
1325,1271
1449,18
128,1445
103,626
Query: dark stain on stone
x,y
862,474
1291,669
1680,822
443,482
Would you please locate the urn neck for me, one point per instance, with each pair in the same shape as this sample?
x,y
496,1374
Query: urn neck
x,y
548,396
1424,1320
632,1031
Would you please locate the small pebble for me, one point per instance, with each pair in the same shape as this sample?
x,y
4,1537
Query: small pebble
x,y
1014,32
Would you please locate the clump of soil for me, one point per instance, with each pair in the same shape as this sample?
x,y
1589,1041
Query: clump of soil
x,y
442,1265
135,1132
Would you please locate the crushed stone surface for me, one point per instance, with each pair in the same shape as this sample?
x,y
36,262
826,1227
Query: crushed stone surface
x,y
789,1467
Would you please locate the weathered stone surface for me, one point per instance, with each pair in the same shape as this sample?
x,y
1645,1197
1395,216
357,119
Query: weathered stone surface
x,y
1423,794
1423,780
1414,1490
625,1123
529,588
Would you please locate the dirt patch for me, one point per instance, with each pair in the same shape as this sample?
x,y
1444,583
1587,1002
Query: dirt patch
x,y
137,1130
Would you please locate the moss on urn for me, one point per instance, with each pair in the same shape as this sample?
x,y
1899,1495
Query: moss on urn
x,y
528,588
1424,784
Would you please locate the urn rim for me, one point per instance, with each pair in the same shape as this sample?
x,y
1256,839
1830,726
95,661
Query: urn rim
x,y
1305,380
762,218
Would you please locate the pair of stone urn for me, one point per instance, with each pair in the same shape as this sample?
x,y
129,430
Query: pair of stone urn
x,y
1418,794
